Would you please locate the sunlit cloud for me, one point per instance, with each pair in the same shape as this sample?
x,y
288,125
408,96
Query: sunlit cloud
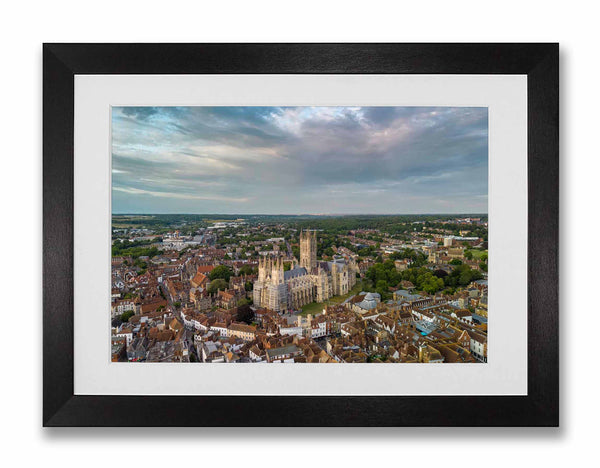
x,y
181,196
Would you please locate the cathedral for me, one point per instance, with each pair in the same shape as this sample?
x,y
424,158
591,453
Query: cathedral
x,y
306,282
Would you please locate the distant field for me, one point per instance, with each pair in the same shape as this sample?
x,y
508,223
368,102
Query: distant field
x,y
131,218
224,220
126,221
124,226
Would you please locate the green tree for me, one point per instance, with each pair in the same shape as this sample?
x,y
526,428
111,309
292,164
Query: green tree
x,y
245,314
385,272
217,285
221,272
462,275
417,258
329,252
125,316
424,279
382,288
133,249
247,270
455,261
296,251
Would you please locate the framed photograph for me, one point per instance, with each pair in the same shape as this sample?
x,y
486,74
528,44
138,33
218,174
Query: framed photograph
x,y
300,234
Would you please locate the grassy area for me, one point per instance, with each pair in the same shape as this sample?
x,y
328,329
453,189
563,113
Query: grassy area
x,y
132,217
317,307
477,253
313,308
214,221
127,222
358,287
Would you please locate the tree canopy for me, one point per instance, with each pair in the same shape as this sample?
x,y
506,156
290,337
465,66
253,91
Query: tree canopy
x,y
423,279
125,316
384,276
221,272
245,314
416,258
132,249
462,275
217,285
247,270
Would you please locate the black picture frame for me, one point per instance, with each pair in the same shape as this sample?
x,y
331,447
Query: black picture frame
x,y
61,407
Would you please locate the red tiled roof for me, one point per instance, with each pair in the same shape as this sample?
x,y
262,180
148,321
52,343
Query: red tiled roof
x,y
205,268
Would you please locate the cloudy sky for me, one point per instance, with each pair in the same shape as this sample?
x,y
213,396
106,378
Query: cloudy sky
x,y
299,160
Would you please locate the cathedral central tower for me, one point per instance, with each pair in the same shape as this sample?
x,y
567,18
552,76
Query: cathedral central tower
x,y
308,250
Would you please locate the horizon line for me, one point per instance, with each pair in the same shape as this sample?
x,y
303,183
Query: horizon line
x,y
300,214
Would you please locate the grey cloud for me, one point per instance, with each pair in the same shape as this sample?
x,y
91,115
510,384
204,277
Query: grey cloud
x,y
376,158
141,113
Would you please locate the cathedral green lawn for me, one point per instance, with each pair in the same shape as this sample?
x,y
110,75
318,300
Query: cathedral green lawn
x,y
313,308
317,307
477,253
